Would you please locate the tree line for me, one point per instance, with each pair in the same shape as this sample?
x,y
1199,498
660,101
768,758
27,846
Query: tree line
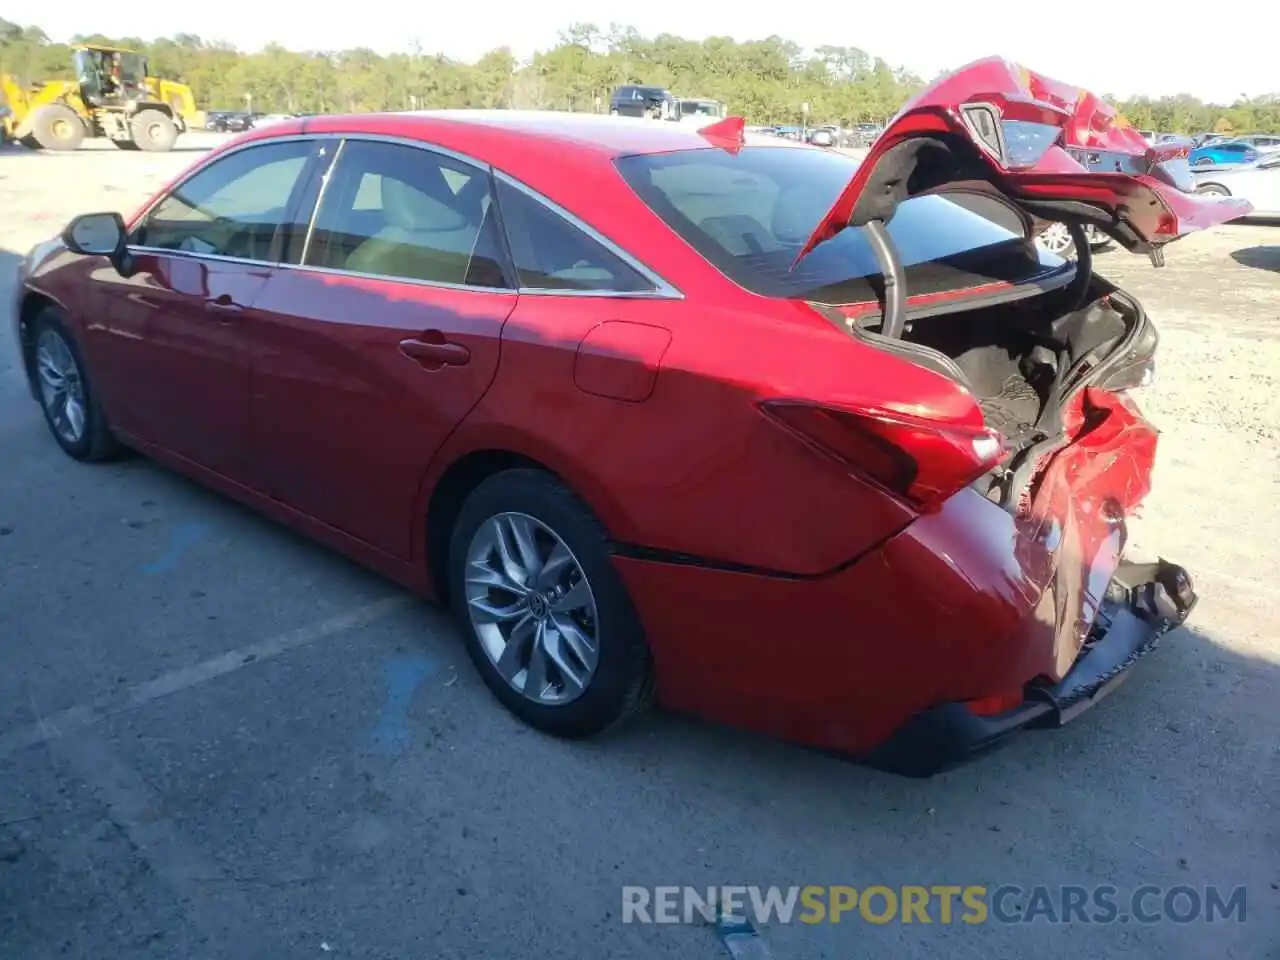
x,y
766,81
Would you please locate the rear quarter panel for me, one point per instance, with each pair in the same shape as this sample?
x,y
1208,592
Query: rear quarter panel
x,y
696,469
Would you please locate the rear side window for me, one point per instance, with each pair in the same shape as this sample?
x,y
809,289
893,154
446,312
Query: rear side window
x,y
551,253
230,208
398,211
751,214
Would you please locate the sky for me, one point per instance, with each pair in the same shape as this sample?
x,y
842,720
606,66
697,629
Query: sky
x,y
1108,46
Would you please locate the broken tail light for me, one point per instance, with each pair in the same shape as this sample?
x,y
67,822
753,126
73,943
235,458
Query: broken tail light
x,y
920,461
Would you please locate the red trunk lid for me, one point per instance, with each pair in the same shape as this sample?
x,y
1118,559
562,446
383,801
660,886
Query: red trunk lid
x,y
1061,152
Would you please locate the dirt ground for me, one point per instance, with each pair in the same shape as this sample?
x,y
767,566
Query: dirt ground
x,y
1178,782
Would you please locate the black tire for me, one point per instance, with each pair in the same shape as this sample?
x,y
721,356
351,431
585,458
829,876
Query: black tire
x,y
1213,190
96,441
57,127
153,131
622,685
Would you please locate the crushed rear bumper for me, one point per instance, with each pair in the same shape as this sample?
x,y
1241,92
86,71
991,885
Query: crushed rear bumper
x,y
1142,604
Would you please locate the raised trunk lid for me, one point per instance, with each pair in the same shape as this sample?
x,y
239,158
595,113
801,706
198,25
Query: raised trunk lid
x,y
1059,151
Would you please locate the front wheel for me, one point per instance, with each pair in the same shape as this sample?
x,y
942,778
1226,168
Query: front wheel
x,y
153,131
1212,190
71,408
548,622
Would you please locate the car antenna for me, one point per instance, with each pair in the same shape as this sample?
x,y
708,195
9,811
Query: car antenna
x,y
728,134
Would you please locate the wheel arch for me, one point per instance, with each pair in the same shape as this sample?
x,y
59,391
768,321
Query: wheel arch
x,y
1213,183
461,470
30,307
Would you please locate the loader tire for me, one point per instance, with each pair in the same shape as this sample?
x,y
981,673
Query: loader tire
x,y
56,127
153,131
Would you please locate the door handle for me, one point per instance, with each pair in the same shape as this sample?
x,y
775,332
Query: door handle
x,y
434,355
222,304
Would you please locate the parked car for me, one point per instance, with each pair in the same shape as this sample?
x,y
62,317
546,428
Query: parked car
x,y
637,401
228,121
698,110
825,136
633,100
1226,151
1259,183
1262,142
865,134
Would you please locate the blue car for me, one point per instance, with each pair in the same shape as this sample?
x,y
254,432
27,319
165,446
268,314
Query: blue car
x,y
1230,151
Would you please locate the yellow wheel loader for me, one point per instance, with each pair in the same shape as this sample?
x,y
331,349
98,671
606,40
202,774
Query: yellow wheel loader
x,y
112,96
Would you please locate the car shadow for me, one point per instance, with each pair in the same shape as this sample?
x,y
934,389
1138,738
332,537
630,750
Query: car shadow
x,y
1261,257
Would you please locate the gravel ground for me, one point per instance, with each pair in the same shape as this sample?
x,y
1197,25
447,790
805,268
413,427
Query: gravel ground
x,y
218,740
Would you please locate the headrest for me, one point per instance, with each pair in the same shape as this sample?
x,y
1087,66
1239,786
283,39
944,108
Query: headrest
x,y
410,208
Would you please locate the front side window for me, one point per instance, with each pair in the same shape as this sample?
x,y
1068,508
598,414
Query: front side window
x,y
231,208
750,214
393,210
550,253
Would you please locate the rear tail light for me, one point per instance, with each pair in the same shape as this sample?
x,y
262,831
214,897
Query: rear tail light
x,y
918,460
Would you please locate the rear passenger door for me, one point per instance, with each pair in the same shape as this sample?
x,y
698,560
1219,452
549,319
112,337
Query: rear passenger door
x,y
377,335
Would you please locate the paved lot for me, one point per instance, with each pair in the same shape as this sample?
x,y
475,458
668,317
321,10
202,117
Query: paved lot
x,y
218,740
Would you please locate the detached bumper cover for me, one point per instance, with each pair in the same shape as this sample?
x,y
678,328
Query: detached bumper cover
x,y
1144,602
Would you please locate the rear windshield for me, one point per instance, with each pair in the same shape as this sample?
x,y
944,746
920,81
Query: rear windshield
x,y
750,214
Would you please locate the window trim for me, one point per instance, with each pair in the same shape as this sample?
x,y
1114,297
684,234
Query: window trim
x,y
210,162
662,289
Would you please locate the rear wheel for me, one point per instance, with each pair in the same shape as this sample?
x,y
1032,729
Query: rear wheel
x,y
57,127
71,408
1213,190
548,622
153,131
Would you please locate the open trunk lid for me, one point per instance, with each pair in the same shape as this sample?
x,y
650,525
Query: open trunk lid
x,y
1060,152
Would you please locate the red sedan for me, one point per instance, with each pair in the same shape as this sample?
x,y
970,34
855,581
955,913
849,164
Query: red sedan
x,y
829,450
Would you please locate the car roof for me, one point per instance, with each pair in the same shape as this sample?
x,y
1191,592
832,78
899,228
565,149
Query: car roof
x,y
599,135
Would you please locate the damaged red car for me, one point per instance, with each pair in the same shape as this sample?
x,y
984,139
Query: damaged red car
x,y
827,449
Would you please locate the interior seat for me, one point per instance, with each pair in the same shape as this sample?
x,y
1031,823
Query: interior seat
x,y
427,236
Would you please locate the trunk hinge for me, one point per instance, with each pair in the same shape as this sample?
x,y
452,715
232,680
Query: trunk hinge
x,y
895,279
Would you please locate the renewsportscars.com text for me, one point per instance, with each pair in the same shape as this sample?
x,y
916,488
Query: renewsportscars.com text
x,y
938,903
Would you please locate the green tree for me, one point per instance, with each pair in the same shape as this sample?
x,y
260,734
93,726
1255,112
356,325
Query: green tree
x,y
766,80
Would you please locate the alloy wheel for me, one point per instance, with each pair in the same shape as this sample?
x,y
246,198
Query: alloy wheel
x,y
1056,238
61,385
532,608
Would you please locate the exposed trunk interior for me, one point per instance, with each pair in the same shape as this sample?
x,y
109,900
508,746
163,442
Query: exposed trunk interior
x,y
1016,357
1022,361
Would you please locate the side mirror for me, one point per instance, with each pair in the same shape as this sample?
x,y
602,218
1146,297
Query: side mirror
x,y
98,235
